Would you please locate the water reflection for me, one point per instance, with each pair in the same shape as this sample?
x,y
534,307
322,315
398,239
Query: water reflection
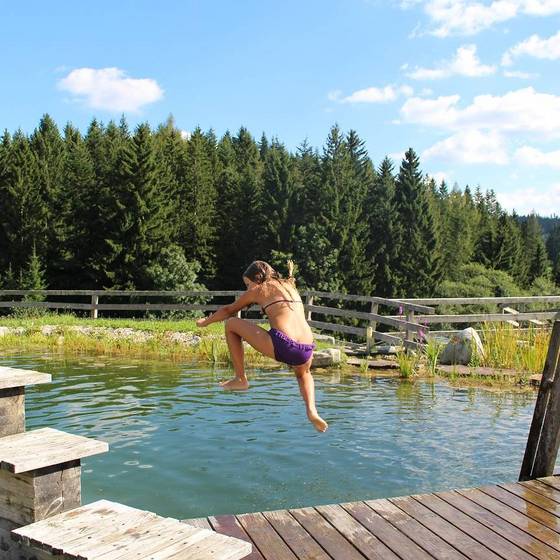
x,y
181,446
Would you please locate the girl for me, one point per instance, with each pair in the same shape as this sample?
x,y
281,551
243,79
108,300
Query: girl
x,y
289,339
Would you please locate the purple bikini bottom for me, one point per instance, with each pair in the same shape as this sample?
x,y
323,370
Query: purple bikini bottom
x,y
288,351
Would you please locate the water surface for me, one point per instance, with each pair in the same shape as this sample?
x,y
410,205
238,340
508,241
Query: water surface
x,y
181,446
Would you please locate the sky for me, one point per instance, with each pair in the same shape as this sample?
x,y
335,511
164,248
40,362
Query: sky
x,y
472,86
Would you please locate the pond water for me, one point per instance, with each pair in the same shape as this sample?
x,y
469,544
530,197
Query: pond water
x,y
181,446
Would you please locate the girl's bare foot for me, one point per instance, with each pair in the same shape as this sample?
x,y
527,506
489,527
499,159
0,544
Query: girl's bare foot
x,y
236,384
317,421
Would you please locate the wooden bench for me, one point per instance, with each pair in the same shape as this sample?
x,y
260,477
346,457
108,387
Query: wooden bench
x,y
107,530
12,397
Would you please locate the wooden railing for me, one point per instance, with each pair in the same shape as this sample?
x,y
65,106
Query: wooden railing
x,y
410,327
410,333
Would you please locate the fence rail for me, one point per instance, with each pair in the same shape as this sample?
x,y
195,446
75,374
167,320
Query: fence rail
x,y
410,328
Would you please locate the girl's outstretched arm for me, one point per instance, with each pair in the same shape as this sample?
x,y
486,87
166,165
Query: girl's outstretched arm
x,y
226,311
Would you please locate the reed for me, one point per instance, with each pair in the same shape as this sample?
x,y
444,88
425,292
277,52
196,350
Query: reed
x,y
508,347
408,363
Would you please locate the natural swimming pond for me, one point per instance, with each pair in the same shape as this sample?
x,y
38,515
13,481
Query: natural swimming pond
x,y
181,446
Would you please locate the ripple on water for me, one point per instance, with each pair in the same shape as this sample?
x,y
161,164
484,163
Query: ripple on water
x,y
209,451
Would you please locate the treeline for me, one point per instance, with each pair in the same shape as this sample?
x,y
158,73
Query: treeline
x,y
151,209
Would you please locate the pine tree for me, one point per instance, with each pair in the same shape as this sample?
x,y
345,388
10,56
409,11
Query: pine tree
x,y
553,250
419,261
197,197
48,148
277,201
33,277
382,248
82,210
24,217
535,250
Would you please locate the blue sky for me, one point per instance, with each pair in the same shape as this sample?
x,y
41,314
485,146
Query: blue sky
x,y
472,86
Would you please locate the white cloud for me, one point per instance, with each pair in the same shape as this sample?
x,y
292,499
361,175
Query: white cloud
x,y
536,47
519,74
440,176
372,94
470,146
186,135
465,63
397,157
110,89
468,17
528,155
523,110
543,200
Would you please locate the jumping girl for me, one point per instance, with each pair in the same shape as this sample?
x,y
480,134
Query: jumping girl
x,y
289,339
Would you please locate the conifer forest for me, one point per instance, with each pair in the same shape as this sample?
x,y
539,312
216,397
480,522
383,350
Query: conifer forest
x,y
156,209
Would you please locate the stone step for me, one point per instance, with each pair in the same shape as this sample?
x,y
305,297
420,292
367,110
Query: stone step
x,y
45,447
107,530
14,377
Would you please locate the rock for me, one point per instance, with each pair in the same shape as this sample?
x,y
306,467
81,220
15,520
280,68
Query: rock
x,y
324,338
460,348
4,331
187,338
48,329
385,349
326,358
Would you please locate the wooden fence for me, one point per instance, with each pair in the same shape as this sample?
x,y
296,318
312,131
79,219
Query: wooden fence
x,y
409,328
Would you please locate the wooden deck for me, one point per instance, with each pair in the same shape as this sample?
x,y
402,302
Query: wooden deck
x,y
501,522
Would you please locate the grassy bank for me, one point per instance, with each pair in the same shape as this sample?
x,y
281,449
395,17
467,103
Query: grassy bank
x,y
156,340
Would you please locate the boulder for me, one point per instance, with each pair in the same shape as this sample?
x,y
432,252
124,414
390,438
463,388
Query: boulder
x,y
326,358
460,348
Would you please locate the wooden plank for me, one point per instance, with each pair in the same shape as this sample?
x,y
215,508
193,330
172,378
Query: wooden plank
x,y
515,535
473,528
372,299
295,536
325,534
415,531
441,526
230,526
512,516
142,540
385,320
485,317
17,377
338,328
551,481
398,542
526,508
45,447
269,543
484,300
367,543
532,497
200,522
543,489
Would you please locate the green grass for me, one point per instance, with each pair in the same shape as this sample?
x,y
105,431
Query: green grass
x,y
212,347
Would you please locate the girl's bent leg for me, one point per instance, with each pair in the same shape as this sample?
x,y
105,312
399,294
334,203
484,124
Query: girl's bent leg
x,y
238,330
307,390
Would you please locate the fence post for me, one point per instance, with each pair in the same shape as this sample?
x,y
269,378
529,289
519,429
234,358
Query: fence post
x,y
410,318
94,301
544,436
308,301
370,341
